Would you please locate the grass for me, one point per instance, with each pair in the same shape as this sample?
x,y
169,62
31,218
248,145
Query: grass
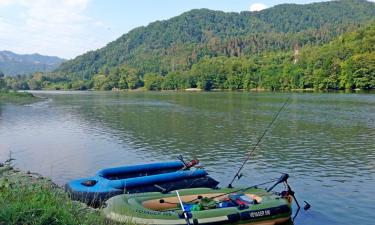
x,y
29,199
17,97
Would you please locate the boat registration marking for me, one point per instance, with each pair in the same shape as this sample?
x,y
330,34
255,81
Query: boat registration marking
x,y
260,213
147,212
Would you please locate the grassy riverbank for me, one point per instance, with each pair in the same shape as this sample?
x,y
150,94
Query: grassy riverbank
x,y
17,97
28,198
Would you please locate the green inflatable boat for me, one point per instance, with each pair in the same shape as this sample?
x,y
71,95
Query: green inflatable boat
x,y
201,206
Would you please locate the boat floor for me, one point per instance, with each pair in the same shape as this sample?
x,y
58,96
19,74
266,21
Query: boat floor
x,y
173,202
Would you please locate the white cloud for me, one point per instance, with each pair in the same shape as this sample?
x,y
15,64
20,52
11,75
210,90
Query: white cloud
x,y
257,7
5,2
52,27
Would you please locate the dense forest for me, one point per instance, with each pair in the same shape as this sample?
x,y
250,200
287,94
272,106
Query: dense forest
x,y
328,45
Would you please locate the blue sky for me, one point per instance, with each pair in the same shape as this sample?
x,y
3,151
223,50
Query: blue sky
x,y
67,28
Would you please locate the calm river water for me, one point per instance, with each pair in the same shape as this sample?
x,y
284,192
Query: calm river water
x,y
326,142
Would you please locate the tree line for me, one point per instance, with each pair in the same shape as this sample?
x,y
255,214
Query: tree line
x,y
347,62
178,43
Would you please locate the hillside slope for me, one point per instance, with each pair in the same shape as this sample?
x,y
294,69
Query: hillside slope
x,y
180,42
346,62
12,64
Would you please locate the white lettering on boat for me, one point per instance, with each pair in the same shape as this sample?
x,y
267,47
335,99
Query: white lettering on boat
x,y
153,212
260,213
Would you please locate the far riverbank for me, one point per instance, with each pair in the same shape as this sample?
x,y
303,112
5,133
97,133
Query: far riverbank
x,y
18,97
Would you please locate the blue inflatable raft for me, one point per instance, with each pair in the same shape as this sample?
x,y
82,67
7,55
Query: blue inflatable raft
x,y
154,177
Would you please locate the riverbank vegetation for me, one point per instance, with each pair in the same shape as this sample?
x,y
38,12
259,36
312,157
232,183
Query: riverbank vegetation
x,y
17,97
7,95
28,198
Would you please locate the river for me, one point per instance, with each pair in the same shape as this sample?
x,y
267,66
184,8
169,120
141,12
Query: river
x,y
325,141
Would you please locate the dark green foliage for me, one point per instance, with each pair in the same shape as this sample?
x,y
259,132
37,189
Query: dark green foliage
x,y
174,81
327,15
180,42
153,81
2,81
347,62
285,47
16,83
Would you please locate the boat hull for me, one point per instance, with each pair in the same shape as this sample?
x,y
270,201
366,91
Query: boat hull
x,y
148,209
154,177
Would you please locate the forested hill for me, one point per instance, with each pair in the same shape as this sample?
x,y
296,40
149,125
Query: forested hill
x,y
347,62
180,42
13,64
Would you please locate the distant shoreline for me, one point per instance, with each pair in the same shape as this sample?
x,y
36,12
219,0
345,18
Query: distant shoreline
x,y
17,97
198,90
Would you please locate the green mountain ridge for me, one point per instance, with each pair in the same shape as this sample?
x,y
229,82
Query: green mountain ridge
x,y
12,64
327,45
180,42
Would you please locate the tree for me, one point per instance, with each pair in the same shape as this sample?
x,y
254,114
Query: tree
x,y
122,83
153,81
133,81
128,78
364,71
346,76
101,83
79,85
173,81
34,84
2,81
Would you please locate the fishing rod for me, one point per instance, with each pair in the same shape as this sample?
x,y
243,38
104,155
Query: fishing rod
x,y
237,175
220,195
283,178
184,212
244,189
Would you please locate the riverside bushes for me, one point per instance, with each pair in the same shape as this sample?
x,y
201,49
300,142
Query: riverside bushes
x,y
30,199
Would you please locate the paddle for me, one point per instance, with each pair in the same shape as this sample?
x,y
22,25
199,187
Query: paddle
x,y
183,209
